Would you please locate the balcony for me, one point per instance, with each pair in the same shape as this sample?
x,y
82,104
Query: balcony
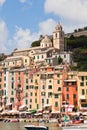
x,y
83,97
43,77
49,76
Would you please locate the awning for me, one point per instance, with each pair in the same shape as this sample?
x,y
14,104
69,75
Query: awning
x,y
5,112
47,105
33,111
24,112
45,112
23,107
13,112
38,114
8,104
55,112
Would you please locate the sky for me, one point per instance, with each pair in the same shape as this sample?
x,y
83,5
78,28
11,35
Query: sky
x,y
23,21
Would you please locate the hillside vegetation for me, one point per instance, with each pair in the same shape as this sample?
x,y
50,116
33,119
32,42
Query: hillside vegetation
x,y
78,45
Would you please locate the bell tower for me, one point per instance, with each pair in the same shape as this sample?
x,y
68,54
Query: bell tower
x,y
58,37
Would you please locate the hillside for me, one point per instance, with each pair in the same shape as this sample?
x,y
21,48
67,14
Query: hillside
x,y
78,45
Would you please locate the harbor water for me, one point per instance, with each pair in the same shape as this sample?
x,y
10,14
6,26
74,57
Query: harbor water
x,y
20,126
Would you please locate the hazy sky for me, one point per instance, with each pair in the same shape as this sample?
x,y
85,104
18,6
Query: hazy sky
x,y
23,21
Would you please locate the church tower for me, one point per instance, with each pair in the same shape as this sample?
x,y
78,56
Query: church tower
x,y
58,38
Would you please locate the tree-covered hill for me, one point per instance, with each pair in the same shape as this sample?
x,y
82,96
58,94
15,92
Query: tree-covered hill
x,y
78,45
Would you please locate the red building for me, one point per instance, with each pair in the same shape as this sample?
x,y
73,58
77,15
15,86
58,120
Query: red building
x,y
70,93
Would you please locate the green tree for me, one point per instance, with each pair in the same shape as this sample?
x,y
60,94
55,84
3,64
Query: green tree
x,y
35,43
60,60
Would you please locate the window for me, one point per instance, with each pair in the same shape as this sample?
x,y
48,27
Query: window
x,y
58,81
50,87
76,88
11,100
49,81
0,74
56,104
26,80
5,78
83,91
26,94
12,73
50,94
64,56
31,94
0,79
30,106
12,78
42,100
37,106
59,88
35,80
18,78
34,57
58,75
67,89
4,92
12,92
43,87
55,35
35,100
47,101
5,70
12,85
0,86
74,95
56,95
4,84
71,76
43,94
27,87
37,57
86,83
42,56
82,78
67,96
30,100
25,60
36,87
26,101
35,94
81,83
31,80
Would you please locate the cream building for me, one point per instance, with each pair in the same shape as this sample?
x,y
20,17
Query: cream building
x,y
49,50
82,90
16,61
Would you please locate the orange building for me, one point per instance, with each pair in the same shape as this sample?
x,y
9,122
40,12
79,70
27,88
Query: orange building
x,y
70,93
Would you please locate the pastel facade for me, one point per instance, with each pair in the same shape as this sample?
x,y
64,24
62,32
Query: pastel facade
x,y
82,90
33,77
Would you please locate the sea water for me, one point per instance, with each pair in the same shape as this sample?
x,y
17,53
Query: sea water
x,y
20,125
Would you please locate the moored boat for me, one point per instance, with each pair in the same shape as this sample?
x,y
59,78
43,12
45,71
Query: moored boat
x,y
75,127
34,127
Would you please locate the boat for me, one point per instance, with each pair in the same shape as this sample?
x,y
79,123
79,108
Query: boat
x,y
34,127
75,127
